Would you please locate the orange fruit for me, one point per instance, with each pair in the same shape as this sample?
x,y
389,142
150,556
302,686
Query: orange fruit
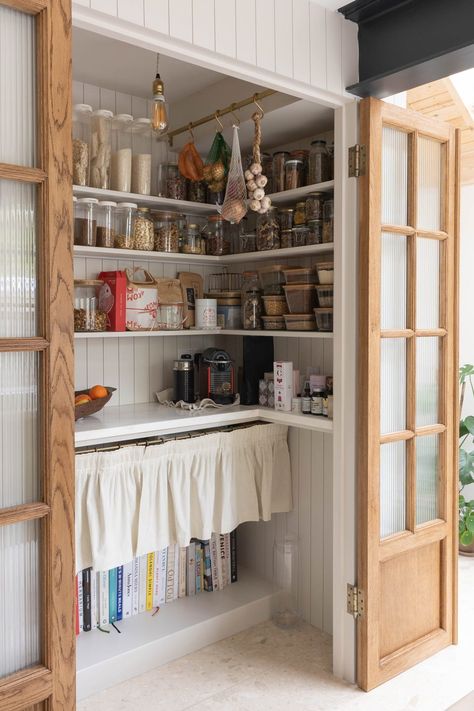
x,y
97,392
81,399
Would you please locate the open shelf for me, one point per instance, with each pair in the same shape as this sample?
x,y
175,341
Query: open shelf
x,y
288,196
198,332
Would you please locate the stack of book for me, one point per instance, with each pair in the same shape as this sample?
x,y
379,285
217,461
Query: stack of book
x,y
147,582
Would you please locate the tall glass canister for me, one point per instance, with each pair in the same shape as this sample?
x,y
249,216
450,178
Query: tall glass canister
x,y
101,148
141,156
81,138
121,168
285,606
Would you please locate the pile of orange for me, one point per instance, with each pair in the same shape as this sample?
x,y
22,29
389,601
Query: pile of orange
x,y
95,393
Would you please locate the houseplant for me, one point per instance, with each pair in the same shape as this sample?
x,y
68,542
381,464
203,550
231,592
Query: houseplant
x,y
466,466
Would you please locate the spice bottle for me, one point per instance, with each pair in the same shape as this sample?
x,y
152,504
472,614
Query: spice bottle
x,y
81,137
318,164
121,166
106,232
101,148
306,400
141,156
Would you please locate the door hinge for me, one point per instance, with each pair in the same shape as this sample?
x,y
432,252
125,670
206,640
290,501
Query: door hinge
x,y
355,601
357,161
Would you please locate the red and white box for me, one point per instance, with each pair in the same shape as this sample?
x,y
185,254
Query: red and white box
x,y
112,299
283,378
142,301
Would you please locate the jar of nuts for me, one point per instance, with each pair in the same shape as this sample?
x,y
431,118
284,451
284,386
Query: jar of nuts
x,y
143,236
87,315
124,219
268,230
251,302
166,232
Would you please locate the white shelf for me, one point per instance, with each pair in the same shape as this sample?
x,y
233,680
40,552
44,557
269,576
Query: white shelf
x,y
125,422
180,627
276,254
293,196
158,203
198,332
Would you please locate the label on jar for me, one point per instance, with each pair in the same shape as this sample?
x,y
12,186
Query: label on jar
x,y
306,405
317,404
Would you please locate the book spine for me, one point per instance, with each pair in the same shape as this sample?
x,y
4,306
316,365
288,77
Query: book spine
x,y
142,583
227,558
81,602
191,572
182,573
150,563
163,572
170,575
221,563
199,565
113,595
94,606
207,566
86,598
156,579
104,598
119,592
76,604
176,573
127,590
233,556
136,585
214,562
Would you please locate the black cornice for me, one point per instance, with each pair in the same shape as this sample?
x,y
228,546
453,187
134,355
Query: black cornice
x,y
365,10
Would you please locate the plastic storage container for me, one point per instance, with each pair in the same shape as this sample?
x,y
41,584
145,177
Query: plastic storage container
x,y
324,319
273,323
121,165
325,272
301,298
193,243
275,305
166,232
124,217
325,296
101,149
268,231
318,163
141,156
143,230
81,138
106,231
278,170
87,316
251,304
229,312
272,279
300,322
218,237
300,275
85,222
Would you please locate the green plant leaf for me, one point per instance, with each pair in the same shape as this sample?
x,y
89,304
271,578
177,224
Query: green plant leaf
x,y
465,371
466,467
463,431
462,500
462,526
469,423
466,538
470,522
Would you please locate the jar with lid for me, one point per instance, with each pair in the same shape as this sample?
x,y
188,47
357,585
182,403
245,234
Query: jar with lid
x,y
218,237
106,231
285,216
251,301
143,235
300,214
124,218
85,222
196,191
166,232
302,154
315,232
314,206
81,138
141,156
300,236
172,183
101,149
192,241
278,170
318,165
87,315
121,165
328,221
247,242
268,230
293,174
286,239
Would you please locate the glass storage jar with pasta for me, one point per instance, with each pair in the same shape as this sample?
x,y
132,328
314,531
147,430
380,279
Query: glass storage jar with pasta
x,y
141,156
81,138
101,148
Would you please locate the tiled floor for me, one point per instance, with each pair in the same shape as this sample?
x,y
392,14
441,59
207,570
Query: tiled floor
x,y
268,669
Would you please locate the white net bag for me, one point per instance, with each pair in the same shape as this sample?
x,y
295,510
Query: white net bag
x,y
234,207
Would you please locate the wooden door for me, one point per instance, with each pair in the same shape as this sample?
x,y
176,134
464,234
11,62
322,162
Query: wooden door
x,y
37,633
407,483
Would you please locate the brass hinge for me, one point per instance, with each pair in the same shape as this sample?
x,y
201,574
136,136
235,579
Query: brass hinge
x,y
355,601
357,161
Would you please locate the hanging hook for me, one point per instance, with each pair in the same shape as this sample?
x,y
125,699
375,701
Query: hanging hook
x,y
258,105
232,111
216,116
190,129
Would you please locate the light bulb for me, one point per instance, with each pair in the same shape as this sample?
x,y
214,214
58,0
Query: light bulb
x,y
159,119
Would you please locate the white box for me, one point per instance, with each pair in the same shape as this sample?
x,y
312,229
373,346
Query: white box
x,y
283,375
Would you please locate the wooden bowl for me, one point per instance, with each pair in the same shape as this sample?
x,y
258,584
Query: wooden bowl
x,y
94,406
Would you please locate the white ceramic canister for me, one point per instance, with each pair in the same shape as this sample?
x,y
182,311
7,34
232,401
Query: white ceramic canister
x,y
206,313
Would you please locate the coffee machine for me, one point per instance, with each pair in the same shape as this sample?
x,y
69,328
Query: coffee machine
x,y
217,376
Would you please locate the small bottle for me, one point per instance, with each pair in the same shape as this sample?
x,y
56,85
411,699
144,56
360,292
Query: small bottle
x,y
317,402
306,401
325,404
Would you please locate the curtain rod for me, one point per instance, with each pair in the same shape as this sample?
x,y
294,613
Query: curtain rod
x,y
220,112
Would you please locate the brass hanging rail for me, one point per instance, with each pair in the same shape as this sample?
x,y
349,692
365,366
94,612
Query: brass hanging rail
x,y
220,112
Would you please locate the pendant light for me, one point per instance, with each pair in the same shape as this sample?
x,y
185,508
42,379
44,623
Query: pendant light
x,y
159,119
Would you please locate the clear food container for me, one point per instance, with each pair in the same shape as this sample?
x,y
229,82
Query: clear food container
x,y
325,272
300,322
121,164
196,191
166,232
143,230
87,315
315,232
275,305
278,170
325,296
318,163
106,231
300,275
273,323
101,149
124,217
85,222
229,313
272,279
314,206
285,217
301,298
218,236
328,221
294,173
299,217
247,242
81,138
226,281
193,242
300,236
169,317
324,319
141,156
268,231
172,183
251,302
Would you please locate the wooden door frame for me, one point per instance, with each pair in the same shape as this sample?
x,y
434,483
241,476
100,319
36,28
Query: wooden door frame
x,y
52,681
369,672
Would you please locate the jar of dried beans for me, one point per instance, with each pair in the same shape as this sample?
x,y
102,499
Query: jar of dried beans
x,y
81,136
172,183
141,156
106,231
143,235
218,236
125,215
85,222
121,166
166,232
268,230
101,148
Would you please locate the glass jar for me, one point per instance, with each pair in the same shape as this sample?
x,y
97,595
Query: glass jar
x,y
247,242
166,232
318,165
196,191
302,154
278,170
141,156
251,302
315,232
268,230
143,235
300,214
285,216
121,164
81,138
173,184
85,222
293,174
124,217
328,221
193,242
218,237
286,239
106,232
314,206
285,609
101,149
300,235
87,315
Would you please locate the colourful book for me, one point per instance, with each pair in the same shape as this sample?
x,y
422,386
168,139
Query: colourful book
x,y
162,578
156,579
233,556
207,566
113,595
214,548
191,564
182,573
136,585
119,592
142,583
170,572
199,565
104,598
221,560
94,603
149,580
76,604
127,590
80,602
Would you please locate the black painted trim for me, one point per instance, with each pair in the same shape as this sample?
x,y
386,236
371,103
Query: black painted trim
x,y
363,10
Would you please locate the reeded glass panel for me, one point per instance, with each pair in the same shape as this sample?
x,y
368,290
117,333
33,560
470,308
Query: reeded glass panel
x,y
427,283
18,266
427,468
393,300
394,176
17,87
429,184
392,385
392,488
427,381
19,596
18,429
